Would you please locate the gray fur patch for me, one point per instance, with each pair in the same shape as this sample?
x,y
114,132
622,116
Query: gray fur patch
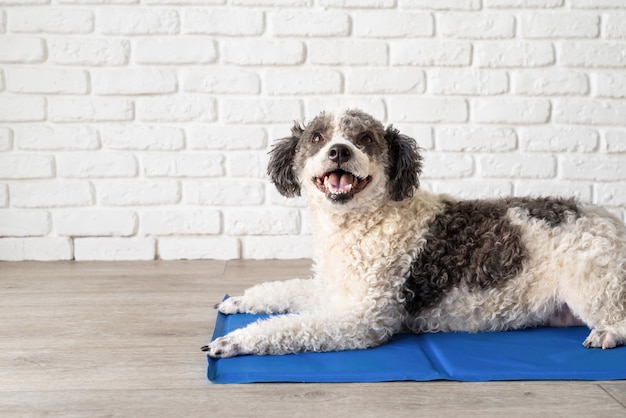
x,y
474,243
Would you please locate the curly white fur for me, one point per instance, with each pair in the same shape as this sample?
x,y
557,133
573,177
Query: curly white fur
x,y
574,270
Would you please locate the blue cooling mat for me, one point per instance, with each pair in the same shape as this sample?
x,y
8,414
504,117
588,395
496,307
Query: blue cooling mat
x,y
533,354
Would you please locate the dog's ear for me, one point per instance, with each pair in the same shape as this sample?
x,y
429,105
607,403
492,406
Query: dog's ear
x,y
280,167
405,164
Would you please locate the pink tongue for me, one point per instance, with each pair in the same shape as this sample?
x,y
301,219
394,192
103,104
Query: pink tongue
x,y
339,182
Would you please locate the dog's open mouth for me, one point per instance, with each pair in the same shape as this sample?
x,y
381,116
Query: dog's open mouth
x,y
340,185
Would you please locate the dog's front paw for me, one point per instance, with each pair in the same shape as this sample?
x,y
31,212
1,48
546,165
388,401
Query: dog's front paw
x,y
601,339
223,347
231,305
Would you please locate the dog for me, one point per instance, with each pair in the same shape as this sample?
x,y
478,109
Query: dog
x,y
390,257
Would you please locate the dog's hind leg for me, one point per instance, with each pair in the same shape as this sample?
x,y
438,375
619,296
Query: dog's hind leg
x,y
273,297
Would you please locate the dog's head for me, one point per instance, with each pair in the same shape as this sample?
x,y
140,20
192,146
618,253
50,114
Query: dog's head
x,y
345,159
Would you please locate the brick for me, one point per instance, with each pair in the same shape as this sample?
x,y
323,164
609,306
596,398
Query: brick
x,y
224,192
142,137
96,222
22,2
470,82
357,4
96,165
88,109
226,137
475,139
22,109
430,53
476,26
260,110
276,199
272,3
615,141
176,109
422,134
223,21
473,189
417,109
262,52
138,192
185,2
511,111
47,81
566,25
385,81
4,196
89,51
593,54
50,20
441,4
6,139
114,249
51,194
589,111
175,51
3,22
24,223
303,81
523,4
598,4
2,83
614,27
199,248
284,247
105,2
37,249
185,165
24,166
181,222
262,222
137,21
21,50
291,22
610,85
579,190
610,194
372,105
514,54
442,165
533,166
558,139
550,82
135,81
224,80
348,52
593,167
248,164
393,24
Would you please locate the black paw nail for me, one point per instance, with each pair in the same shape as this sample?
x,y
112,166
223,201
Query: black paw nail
x,y
205,348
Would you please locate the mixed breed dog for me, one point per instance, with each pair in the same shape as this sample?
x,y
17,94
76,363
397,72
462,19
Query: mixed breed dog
x,y
390,257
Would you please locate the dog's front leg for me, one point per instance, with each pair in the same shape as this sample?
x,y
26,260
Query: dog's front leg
x,y
296,333
273,297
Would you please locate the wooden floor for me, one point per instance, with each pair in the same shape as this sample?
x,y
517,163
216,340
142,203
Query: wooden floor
x,y
123,339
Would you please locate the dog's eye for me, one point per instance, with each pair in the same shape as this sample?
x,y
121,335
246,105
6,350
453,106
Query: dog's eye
x,y
317,137
365,140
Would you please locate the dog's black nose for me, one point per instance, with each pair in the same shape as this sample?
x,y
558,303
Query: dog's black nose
x,y
339,153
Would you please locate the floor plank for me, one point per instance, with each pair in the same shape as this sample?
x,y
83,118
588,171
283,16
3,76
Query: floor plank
x,y
122,339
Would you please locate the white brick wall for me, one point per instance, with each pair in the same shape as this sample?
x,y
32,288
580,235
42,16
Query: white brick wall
x,y
139,129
